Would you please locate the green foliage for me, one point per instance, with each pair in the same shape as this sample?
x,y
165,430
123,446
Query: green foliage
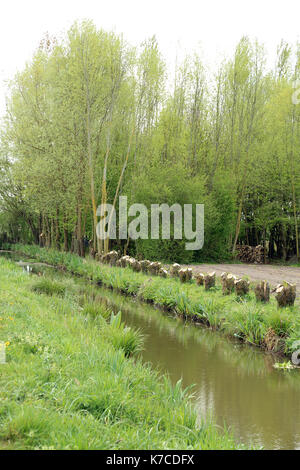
x,y
280,322
250,325
93,310
160,185
242,318
49,287
128,340
219,220
90,116
68,384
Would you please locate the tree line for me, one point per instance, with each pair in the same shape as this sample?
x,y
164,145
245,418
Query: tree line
x,y
91,118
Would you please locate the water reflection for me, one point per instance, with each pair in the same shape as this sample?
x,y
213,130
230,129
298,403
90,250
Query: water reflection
x,y
234,383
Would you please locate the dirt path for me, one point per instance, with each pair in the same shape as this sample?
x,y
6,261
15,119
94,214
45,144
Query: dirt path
x,y
257,272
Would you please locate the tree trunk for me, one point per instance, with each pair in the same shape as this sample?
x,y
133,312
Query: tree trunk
x,y
238,222
65,235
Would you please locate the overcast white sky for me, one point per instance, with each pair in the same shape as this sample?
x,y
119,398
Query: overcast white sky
x,y
179,25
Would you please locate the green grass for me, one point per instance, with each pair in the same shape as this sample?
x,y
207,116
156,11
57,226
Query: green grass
x,y
243,318
95,310
70,381
49,287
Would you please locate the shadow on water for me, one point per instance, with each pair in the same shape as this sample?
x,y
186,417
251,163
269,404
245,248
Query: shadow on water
x,y
234,383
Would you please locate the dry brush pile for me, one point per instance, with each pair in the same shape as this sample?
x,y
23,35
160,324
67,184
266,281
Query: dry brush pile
x,y
251,254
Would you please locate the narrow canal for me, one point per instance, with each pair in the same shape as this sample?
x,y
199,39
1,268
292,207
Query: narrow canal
x,y
235,384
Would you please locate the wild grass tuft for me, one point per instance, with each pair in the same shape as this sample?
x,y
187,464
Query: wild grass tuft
x,y
122,337
94,310
49,287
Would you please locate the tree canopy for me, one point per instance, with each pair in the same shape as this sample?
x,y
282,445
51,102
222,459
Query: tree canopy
x,y
91,118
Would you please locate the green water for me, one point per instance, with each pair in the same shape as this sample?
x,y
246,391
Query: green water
x,y
233,383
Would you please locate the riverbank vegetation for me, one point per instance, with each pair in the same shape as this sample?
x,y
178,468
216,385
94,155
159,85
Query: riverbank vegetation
x,y
256,323
91,118
70,381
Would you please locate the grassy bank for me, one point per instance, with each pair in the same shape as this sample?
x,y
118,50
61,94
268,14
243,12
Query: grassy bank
x,y
262,325
70,382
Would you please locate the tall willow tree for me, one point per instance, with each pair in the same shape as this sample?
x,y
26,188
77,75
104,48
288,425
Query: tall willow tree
x,y
245,97
98,67
63,109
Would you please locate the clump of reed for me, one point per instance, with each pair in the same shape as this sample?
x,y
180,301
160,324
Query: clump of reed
x,y
49,287
129,340
94,310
